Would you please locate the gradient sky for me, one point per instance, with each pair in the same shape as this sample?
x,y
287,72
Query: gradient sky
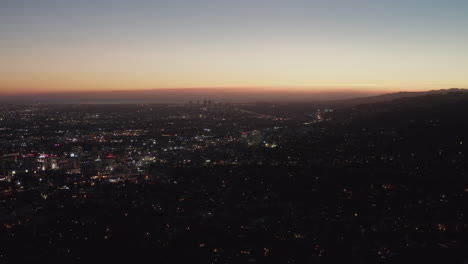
x,y
72,45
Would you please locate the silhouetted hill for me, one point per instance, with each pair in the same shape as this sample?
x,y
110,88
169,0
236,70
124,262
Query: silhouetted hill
x,y
447,105
431,128
398,95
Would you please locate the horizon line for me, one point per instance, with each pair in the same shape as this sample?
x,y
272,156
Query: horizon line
x,y
244,89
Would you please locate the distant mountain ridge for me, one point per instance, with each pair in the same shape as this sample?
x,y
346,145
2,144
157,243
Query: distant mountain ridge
x,y
182,95
177,96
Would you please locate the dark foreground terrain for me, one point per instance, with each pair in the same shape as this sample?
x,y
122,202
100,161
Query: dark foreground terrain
x,y
205,182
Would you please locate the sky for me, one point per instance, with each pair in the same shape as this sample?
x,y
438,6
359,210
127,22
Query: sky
x,y
320,45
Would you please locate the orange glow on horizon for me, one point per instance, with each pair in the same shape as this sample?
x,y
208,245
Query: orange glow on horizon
x,y
368,89
314,46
